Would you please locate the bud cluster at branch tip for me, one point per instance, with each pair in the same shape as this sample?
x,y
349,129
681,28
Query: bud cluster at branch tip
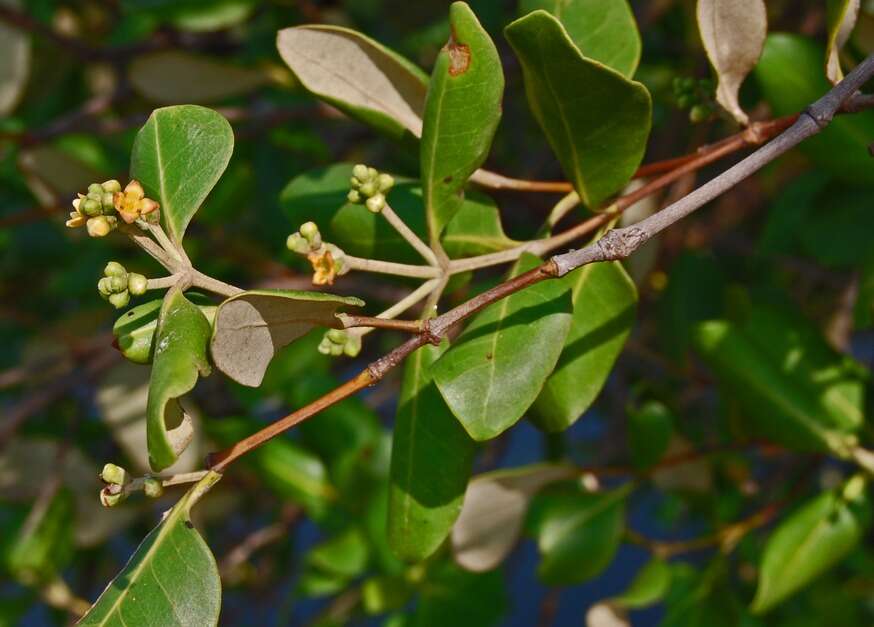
x,y
328,260
100,208
116,480
369,186
338,342
117,284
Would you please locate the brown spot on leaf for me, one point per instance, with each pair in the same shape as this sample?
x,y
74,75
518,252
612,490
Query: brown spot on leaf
x,y
459,58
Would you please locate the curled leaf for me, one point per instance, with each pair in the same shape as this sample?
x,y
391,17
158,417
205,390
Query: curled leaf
x,y
251,327
842,16
733,32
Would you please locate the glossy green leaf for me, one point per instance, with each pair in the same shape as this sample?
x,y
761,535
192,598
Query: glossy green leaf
x,y
14,62
462,112
178,156
603,30
791,385
358,75
179,358
605,301
475,229
650,428
841,17
577,532
451,596
250,328
497,367
134,330
43,545
821,533
648,587
494,510
431,462
596,120
284,466
791,77
178,76
171,580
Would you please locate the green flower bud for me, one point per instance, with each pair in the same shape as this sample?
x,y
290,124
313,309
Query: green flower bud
x,y
99,226
95,188
368,189
111,186
113,268
354,196
372,173
385,182
688,83
153,487
90,207
137,284
118,283
360,172
685,101
337,336
325,346
120,300
107,203
375,203
113,474
699,113
112,495
352,346
297,244
336,350
104,287
310,232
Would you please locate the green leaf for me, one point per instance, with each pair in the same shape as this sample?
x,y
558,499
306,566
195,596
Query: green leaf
x,y
841,17
178,156
596,120
779,370
283,465
650,428
577,532
462,112
497,367
648,587
604,300
821,533
176,76
250,328
358,75
14,62
171,580
603,30
344,555
179,357
451,596
431,462
494,510
790,75
383,594
134,330
475,229
43,545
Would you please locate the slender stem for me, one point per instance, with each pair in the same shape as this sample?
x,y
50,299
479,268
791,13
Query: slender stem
x,y
165,243
180,479
407,233
205,282
148,244
616,244
350,322
389,267
402,305
493,180
163,282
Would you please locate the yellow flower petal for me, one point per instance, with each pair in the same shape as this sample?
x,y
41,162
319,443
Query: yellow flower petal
x,y
134,189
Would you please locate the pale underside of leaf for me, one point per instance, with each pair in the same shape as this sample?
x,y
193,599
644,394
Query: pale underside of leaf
x,y
842,16
733,33
14,62
250,328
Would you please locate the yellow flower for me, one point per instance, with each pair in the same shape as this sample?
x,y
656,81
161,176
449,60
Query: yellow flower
x,y
132,202
76,218
324,268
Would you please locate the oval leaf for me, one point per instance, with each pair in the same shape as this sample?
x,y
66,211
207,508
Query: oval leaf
x,y
596,120
251,327
813,539
650,428
171,580
494,510
648,587
842,16
178,156
577,532
462,112
431,461
733,32
175,76
358,75
499,364
604,300
179,357
603,30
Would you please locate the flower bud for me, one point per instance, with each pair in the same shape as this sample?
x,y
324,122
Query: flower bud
x,y
90,207
360,172
699,113
120,300
118,283
137,284
385,182
113,268
99,226
111,186
337,336
153,487
354,196
104,287
336,350
112,495
113,474
297,244
95,188
107,203
375,203
353,345
325,346
309,230
372,173
368,189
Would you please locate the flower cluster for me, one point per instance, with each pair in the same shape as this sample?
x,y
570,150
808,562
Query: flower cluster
x,y
328,260
338,342
119,485
118,284
369,186
100,208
